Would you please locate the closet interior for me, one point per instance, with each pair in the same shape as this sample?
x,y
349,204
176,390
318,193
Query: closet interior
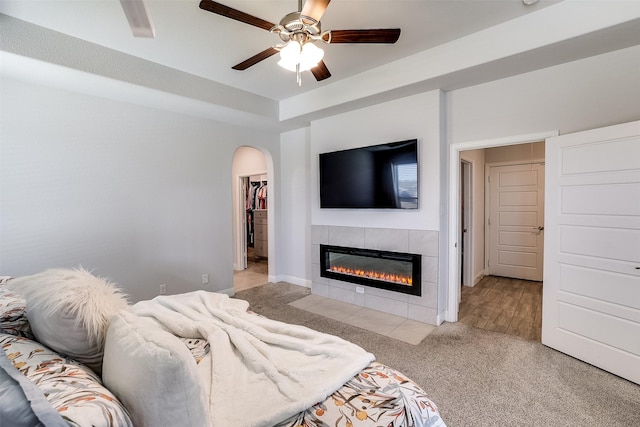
x,y
256,223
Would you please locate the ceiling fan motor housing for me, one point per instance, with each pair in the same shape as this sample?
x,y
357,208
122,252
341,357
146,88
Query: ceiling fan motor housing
x,y
295,26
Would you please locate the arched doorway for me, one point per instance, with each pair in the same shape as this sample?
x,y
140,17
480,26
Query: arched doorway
x,y
251,193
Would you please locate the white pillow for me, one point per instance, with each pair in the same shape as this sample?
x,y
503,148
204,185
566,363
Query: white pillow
x,y
69,311
153,374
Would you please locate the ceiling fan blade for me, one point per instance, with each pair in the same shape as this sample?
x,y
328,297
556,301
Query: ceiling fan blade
x,y
255,59
138,17
380,35
314,9
226,11
320,71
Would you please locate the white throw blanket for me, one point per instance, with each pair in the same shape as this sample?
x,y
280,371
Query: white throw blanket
x,y
263,371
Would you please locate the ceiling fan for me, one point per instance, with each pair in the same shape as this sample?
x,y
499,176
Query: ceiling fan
x,y
299,31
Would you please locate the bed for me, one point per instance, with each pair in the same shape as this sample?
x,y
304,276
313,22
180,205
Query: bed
x,y
154,369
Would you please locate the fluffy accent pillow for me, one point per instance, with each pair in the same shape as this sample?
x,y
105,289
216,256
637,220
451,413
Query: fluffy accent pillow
x,y
153,374
69,311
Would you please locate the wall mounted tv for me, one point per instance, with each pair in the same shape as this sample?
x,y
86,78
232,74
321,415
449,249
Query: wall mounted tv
x,y
381,176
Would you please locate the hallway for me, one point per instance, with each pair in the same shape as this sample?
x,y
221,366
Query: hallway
x,y
502,304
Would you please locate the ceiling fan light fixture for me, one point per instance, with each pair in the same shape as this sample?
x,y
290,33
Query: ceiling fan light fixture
x,y
306,56
311,55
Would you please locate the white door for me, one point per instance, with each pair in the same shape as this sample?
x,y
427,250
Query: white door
x,y
516,221
591,298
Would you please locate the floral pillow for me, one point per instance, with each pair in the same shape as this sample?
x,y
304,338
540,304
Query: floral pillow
x,y
72,389
13,318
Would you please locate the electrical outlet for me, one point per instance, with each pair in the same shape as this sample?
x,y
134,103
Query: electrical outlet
x,y
163,289
205,279
360,289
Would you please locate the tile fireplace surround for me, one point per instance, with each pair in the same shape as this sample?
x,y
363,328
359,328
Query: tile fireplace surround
x,y
421,308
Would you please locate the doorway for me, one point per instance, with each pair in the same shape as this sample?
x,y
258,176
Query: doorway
x,y
255,244
492,298
455,228
251,193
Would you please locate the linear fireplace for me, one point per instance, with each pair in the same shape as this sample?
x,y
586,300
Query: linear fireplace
x,y
393,271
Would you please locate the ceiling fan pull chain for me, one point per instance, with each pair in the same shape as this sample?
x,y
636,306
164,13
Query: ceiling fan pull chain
x,y
298,75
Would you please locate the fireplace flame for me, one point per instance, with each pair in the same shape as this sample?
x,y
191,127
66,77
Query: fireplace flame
x,y
376,275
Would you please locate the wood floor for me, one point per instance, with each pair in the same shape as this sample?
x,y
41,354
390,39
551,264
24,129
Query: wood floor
x,y
501,304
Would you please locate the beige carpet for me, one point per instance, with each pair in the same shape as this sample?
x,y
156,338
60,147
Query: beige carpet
x,y
478,377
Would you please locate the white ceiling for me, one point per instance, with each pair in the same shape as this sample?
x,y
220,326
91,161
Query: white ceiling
x,y
208,45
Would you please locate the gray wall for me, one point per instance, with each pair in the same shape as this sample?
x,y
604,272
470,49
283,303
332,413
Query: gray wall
x,y
142,196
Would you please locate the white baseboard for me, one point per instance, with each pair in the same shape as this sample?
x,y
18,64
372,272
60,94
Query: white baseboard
x,y
291,279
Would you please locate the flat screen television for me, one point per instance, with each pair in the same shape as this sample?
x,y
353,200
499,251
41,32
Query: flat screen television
x,y
381,176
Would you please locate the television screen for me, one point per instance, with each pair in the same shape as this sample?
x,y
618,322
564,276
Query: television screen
x,y
379,176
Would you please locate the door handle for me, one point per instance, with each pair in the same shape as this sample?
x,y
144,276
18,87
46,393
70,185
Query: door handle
x,y
538,229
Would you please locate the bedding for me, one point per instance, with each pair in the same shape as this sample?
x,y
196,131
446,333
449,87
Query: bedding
x,y
279,369
13,316
72,389
22,404
199,359
376,396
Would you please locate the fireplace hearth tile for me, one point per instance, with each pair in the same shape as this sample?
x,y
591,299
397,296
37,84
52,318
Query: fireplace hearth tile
x,y
424,242
389,325
389,295
308,301
316,276
398,308
346,295
320,289
319,234
385,239
346,236
429,269
411,331
374,321
333,309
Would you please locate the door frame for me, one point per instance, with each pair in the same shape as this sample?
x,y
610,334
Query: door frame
x,y
242,229
453,273
467,238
